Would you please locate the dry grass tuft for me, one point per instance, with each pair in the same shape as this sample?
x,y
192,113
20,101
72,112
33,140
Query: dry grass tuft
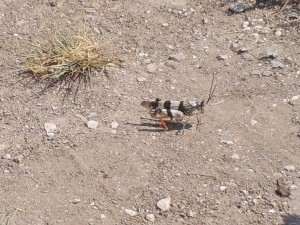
x,y
66,60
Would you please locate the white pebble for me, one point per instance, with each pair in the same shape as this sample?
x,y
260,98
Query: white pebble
x,y
293,187
76,201
245,24
296,97
222,57
151,68
223,188
50,128
253,122
227,142
102,216
290,168
130,212
190,213
114,124
271,211
150,217
141,79
164,204
92,124
245,192
278,33
235,156
7,156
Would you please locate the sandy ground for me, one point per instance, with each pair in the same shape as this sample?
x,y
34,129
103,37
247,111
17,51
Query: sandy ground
x,y
224,172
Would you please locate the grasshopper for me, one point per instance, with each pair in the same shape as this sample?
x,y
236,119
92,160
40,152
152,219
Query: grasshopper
x,y
176,110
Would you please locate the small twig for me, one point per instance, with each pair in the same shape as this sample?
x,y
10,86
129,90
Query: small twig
x,y
234,32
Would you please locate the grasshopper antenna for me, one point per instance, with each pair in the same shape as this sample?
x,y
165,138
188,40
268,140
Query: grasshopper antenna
x,y
212,89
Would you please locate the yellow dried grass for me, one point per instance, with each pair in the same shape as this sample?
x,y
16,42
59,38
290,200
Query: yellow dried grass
x,y
67,58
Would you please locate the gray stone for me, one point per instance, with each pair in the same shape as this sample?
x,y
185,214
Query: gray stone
x,y
267,73
172,64
177,57
18,159
277,64
248,57
256,73
222,57
205,20
243,50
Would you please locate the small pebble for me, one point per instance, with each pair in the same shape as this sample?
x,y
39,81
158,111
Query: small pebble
x,y
256,73
235,156
245,24
205,20
147,61
7,156
278,33
190,213
102,216
150,217
267,73
255,36
253,122
223,188
276,64
52,3
271,211
242,50
151,68
172,64
18,159
130,212
177,57
290,168
234,47
245,192
165,24
92,124
114,125
141,79
76,201
222,57
164,204
50,128
227,142
293,187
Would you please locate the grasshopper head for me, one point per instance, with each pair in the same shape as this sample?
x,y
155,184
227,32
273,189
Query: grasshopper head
x,y
146,104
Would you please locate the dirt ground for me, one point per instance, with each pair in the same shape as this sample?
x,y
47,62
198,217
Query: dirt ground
x,y
224,172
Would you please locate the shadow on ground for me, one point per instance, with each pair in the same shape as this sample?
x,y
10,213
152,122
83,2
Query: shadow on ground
x,y
291,220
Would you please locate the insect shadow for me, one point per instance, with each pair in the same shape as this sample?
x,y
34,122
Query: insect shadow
x,y
156,127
